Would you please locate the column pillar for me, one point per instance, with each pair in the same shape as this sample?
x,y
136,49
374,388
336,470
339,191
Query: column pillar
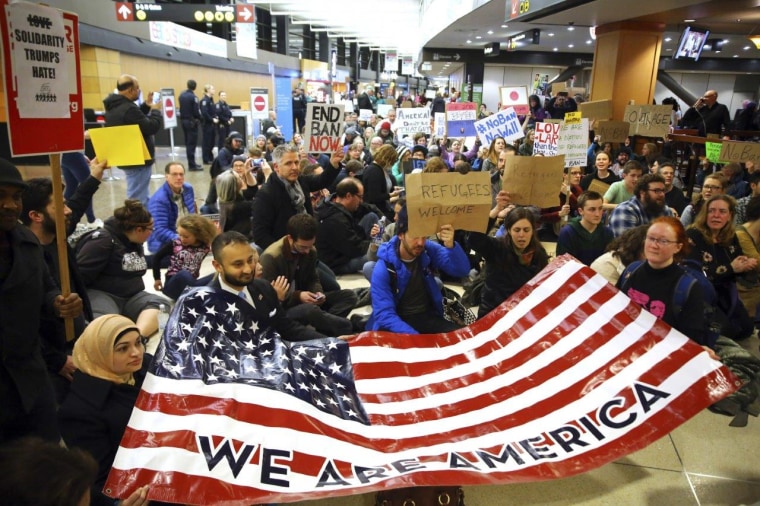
x,y
626,61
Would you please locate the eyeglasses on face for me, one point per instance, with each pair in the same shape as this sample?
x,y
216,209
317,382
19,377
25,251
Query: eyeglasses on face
x,y
660,241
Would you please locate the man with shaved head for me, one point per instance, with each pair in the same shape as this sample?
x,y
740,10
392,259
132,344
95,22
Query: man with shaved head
x,y
708,116
121,109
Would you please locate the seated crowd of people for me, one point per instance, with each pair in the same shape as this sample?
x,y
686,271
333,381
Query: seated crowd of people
x,y
291,223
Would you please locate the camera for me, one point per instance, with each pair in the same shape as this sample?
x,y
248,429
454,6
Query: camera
x,y
257,163
156,97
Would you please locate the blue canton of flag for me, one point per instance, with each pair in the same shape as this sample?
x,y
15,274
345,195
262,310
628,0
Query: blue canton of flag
x,y
213,336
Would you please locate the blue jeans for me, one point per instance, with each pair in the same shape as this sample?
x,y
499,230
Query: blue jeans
x,y
138,183
75,170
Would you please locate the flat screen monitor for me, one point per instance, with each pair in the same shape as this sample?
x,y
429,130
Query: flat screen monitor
x,y
691,43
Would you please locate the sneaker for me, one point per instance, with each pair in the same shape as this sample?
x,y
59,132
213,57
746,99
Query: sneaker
x,y
98,223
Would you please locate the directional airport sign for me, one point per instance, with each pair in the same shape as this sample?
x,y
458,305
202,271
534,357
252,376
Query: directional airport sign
x,y
184,13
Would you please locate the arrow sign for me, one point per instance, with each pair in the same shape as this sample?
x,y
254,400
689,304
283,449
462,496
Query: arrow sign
x,y
457,57
244,14
124,12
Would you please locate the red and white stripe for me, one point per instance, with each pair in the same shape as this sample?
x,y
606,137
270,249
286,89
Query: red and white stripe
x,y
557,351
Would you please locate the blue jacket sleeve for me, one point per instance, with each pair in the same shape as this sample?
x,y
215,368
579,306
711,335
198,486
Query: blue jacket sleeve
x,y
384,304
452,261
163,228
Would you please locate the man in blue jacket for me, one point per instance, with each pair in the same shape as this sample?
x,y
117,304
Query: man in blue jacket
x,y
173,199
405,295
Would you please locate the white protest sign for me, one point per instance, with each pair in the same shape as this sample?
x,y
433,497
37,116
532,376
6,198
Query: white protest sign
x,y
439,124
573,143
39,60
501,124
365,114
168,108
324,127
547,138
409,121
384,109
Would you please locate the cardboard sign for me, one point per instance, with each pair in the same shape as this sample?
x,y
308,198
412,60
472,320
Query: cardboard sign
x,y
599,186
558,87
534,180
546,140
740,152
439,124
515,97
504,123
573,143
460,119
365,114
324,127
712,151
411,121
597,109
648,120
613,131
461,200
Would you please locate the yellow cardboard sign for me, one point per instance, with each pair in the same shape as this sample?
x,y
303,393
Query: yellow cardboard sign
x,y
120,145
573,118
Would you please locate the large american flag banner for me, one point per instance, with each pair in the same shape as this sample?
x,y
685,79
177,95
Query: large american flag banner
x,y
565,376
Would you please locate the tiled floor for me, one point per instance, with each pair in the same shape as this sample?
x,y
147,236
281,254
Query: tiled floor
x,y
703,462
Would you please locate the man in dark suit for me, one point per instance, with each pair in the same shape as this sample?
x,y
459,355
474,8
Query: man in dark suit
x,y
364,101
236,263
26,290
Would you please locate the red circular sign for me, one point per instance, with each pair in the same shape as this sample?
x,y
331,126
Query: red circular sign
x,y
514,96
169,107
259,103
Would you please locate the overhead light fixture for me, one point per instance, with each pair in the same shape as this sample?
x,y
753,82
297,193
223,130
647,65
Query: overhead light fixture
x,y
571,45
746,48
689,20
570,28
478,37
469,41
505,26
555,49
550,34
589,41
490,32
668,39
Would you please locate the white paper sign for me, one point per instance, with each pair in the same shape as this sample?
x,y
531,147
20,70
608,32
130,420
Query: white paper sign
x,y
407,65
573,143
409,121
365,114
501,124
547,139
439,124
324,127
384,109
39,60
391,61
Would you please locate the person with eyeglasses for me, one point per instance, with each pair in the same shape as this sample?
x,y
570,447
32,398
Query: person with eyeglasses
x,y
715,247
654,282
708,115
647,203
111,366
112,264
714,184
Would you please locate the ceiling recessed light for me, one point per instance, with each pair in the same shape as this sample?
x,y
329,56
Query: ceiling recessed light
x,y
736,56
589,41
490,32
505,26
571,45
570,28
550,34
746,48
668,39
469,42
689,20
555,49
725,41
478,37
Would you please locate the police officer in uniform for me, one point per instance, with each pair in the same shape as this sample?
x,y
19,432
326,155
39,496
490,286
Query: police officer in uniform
x,y
190,114
209,120
299,111
224,115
